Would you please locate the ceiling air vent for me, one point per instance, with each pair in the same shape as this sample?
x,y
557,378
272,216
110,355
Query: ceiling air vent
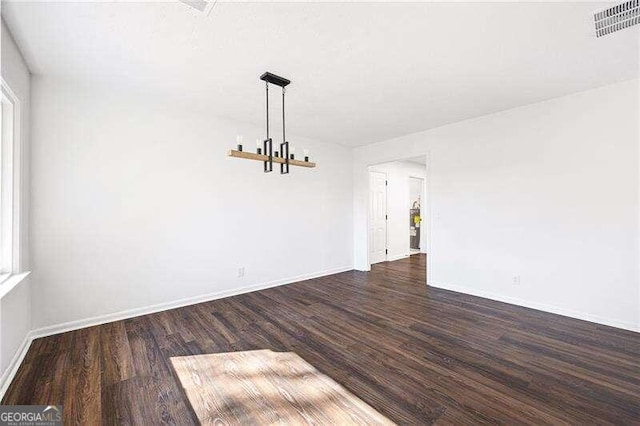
x,y
617,17
200,5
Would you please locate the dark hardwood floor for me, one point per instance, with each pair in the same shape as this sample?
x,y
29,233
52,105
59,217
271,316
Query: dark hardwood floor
x,y
418,355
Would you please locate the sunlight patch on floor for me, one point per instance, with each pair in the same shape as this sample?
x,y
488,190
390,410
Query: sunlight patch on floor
x,y
266,387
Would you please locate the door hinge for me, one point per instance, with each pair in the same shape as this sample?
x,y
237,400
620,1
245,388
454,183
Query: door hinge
x,y
386,183
386,251
386,217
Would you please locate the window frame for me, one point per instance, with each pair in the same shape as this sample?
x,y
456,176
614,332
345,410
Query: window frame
x,y
9,183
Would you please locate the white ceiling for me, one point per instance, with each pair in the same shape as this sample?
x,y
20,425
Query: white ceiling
x,y
361,72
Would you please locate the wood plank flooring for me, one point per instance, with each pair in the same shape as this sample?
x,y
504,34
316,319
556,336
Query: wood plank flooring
x,y
416,354
267,387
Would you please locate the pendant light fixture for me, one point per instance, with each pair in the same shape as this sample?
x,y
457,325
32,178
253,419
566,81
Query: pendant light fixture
x,y
286,156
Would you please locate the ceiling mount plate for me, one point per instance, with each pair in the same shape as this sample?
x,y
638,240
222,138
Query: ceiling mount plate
x,y
274,79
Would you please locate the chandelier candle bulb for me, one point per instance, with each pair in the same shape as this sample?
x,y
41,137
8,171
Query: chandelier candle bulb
x,y
258,146
306,155
292,152
239,142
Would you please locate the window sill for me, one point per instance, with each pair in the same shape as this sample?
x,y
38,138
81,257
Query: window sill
x,y
11,282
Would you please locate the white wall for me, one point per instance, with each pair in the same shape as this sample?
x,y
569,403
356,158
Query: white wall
x,y
398,174
135,203
547,192
15,307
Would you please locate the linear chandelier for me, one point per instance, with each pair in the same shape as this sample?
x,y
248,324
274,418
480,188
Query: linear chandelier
x,y
264,150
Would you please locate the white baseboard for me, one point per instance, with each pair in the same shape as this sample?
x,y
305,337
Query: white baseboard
x,y
130,313
539,306
12,368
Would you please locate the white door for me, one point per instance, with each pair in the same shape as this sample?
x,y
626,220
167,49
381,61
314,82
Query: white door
x,y
377,217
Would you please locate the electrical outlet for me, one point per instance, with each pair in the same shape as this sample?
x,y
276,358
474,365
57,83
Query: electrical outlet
x,y
516,280
241,272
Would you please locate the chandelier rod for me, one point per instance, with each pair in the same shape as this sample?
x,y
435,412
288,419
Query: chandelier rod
x,y
267,91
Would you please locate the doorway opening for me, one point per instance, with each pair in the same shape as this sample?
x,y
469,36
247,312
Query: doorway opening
x,y
397,210
416,185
